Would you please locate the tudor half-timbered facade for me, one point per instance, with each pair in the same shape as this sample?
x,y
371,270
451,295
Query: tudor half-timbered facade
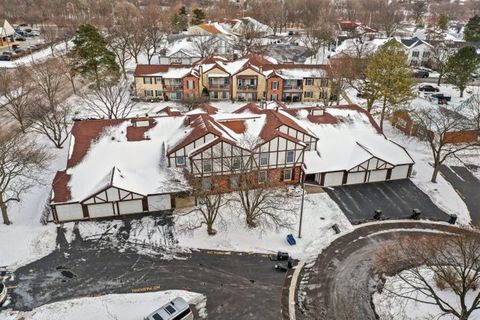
x,y
132,166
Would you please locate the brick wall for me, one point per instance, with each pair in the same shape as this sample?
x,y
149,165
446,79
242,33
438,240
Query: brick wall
x,y
186,90
271,91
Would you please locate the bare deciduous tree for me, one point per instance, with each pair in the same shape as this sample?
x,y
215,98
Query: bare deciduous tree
x,y
52,122
118,42
204,45
249,40
437,125
21,161
17,89
111,100
432,264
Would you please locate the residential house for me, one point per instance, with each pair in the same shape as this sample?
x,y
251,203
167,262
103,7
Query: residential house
x,y
418,51
117,167
6,32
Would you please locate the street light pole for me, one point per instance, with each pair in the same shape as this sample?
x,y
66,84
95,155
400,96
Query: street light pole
x,y
301,207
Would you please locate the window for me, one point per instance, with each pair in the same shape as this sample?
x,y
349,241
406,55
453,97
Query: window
x,y
158,80
309,82
180,161
323,94
308,145
234,182
426,54
287,174
207,165
147,80
275,85
207,184
264,159
262,176
290,156
323,82
158,93
274,97
415,54
236,163
308,94
148,93
190,84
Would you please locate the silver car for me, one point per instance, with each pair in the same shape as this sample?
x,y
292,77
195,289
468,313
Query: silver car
x,y
177,309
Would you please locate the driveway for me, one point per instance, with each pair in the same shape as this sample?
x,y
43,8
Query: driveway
x,y
467,186
340,283
234,283
396,199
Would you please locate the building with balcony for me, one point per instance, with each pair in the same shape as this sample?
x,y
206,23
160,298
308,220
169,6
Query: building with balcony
x,y
251,78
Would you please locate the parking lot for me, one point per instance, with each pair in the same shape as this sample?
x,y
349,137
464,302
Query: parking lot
x,y
396,199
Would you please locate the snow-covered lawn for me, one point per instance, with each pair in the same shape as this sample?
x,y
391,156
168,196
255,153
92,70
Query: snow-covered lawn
x,y
152,236
26,239
389,306
131,306
319,215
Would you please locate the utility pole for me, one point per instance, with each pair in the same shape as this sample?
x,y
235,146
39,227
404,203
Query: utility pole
x,y
301,207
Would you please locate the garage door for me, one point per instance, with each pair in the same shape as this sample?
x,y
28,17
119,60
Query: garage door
x,y
400,172
133,206
356,177
159,202
377,175
68,212
100,210
333,179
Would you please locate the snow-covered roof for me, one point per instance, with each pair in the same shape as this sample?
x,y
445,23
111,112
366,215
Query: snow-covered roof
x,y
349,142
6,29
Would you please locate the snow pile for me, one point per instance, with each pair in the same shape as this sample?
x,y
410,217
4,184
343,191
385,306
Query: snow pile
x,y
319,215
389,306
131,306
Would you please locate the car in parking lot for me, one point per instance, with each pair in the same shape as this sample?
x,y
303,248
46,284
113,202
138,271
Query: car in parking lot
x,y
5,57
419,73
177,309
428,88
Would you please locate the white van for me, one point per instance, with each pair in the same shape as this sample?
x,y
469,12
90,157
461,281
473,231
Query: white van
x,y
177,309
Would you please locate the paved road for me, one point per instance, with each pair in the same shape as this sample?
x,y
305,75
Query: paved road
x,y
467,186
237,286
396,199
340,283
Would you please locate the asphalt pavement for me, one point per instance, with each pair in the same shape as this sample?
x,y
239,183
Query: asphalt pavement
x,y
339,285
237,285
467,187
396,199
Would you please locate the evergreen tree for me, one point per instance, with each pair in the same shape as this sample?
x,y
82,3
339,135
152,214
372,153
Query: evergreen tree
x,y
387,70
180,20
442,22
472,29
198,16
91,49
460,67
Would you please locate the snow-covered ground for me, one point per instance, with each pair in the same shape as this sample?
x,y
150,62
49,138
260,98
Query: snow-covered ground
x,y
389,306
319,215
26,239
131,306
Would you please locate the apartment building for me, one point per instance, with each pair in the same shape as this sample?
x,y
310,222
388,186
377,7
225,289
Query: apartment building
x,y
251,78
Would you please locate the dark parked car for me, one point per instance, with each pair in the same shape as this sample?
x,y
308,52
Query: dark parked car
x,y
18,50
5,57
428,88
7,53
421,74
20,39
442,99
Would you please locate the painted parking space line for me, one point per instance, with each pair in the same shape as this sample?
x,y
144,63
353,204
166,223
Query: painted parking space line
x,y
146,289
